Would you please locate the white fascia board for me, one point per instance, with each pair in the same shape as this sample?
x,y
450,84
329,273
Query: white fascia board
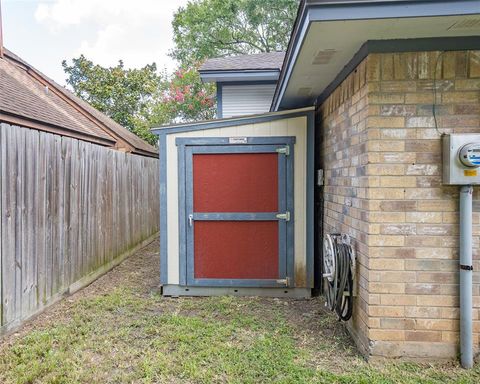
x,y
230,76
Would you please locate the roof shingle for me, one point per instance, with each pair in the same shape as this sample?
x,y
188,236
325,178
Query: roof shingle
x,y
259,61
27,93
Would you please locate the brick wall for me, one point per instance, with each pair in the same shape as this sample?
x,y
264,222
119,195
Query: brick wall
x,y
383,165
345,162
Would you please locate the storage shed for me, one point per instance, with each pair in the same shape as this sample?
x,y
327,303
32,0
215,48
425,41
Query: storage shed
x,y
236,199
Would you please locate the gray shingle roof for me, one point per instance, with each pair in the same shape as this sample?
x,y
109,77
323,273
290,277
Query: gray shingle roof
x,y
259,61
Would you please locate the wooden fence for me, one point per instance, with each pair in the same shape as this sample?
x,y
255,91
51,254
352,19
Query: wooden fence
x,y
70,210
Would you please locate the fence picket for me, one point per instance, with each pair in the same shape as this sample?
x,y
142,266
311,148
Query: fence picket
x,y
68,207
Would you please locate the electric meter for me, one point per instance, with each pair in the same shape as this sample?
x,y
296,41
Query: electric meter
x,y
470,155
461,159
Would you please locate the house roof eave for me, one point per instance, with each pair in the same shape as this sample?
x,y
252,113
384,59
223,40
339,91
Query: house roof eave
x,y
311,11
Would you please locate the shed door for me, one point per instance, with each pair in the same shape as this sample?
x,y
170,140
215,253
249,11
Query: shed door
x,y
237,215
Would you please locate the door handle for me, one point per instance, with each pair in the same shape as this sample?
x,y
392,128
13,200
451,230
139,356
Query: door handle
x,y
190,220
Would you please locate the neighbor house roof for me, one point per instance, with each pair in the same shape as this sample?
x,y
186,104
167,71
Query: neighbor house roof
x,y
29,98
259,66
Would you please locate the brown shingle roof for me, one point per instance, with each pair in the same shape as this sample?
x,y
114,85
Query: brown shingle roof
x,y
21,95
28,94
259,61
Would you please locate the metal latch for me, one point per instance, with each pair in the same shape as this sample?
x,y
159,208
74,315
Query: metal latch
x,y
285,281
283,216
320,177
284,151
190,220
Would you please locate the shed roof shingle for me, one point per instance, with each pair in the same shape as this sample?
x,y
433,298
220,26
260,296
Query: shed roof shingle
x,y
259,61
27,93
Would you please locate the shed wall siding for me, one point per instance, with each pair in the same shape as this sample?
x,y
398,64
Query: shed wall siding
x,y
286,127
70,210
238,100
404,220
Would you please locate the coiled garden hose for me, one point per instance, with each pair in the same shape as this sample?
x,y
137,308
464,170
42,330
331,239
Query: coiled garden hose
x,y
339,269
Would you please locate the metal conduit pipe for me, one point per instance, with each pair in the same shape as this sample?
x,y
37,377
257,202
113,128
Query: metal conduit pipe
x,y
466,270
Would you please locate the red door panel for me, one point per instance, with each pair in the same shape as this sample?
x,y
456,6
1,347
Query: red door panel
x,y
236,249
228,247
245,182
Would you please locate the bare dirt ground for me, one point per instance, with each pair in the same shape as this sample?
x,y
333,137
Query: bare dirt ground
x,y
120,329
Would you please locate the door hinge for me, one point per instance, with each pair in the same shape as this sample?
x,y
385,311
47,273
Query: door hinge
x,y
283,216
285,281
284,150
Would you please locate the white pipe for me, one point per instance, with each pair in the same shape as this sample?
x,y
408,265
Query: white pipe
x,y
466,303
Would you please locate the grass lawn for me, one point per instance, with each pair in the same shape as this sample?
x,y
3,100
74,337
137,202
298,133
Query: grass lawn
x,y
120,330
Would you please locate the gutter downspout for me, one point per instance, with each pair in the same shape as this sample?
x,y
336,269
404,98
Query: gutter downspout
x,y
466,270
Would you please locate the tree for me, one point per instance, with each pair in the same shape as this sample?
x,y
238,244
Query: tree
x,y
186,98
141,98
215,28
125,95
182,97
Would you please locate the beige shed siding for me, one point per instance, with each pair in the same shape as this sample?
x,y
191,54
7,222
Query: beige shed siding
x,y
286,127
238,100
404,221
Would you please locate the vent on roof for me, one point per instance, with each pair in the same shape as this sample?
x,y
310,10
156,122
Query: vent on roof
x,y
323,56
466,24
304,91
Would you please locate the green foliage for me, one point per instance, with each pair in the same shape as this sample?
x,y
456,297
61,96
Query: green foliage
x,y
123,94
215,28
141,98
184,98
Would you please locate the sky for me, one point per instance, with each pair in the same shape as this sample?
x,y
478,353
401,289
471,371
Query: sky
x,y
45,32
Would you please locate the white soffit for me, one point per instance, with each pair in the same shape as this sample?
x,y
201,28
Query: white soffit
x,y
329,45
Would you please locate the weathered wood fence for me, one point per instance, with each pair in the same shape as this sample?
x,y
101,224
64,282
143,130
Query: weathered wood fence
x,y
70,210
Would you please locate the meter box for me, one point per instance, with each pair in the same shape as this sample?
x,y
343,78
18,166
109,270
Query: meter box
x,y
461,159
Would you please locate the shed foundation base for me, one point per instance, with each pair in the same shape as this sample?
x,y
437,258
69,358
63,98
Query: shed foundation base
x,y
177,290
